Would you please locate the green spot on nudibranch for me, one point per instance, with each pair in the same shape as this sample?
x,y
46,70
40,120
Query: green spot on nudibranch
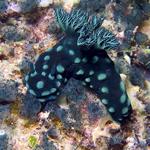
x,y
91,86
45,67
32,92
105,101
83,83
84,60
46,58
60,68
27,78
58,84
45,93
52,90
95,59
80,72
77,60
111,110
87,79
104,89
123,98
120,119
43,73
59,48
40,84
129,103
49,49
27,85
101,76
122,86
71,52
33,74
51,77
59,76
41,100
91,72
124,110
57,93
65,80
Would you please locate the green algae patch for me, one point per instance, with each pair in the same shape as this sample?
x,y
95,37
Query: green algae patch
x,y
1,49
147,51
32,141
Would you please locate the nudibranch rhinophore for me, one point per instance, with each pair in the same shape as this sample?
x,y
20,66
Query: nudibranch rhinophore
x,y
81,54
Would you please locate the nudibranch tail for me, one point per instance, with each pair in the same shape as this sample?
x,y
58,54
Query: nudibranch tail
x,y
87,29
99,75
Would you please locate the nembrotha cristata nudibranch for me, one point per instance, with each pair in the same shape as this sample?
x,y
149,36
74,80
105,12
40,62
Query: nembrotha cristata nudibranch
x,y
81,54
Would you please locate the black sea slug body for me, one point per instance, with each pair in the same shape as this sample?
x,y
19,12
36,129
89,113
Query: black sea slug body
x,y
81,54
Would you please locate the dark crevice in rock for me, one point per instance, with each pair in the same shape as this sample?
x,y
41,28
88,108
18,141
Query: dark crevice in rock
x,y
3,102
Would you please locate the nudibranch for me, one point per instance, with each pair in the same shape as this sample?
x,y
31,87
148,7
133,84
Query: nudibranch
x,y
81,54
